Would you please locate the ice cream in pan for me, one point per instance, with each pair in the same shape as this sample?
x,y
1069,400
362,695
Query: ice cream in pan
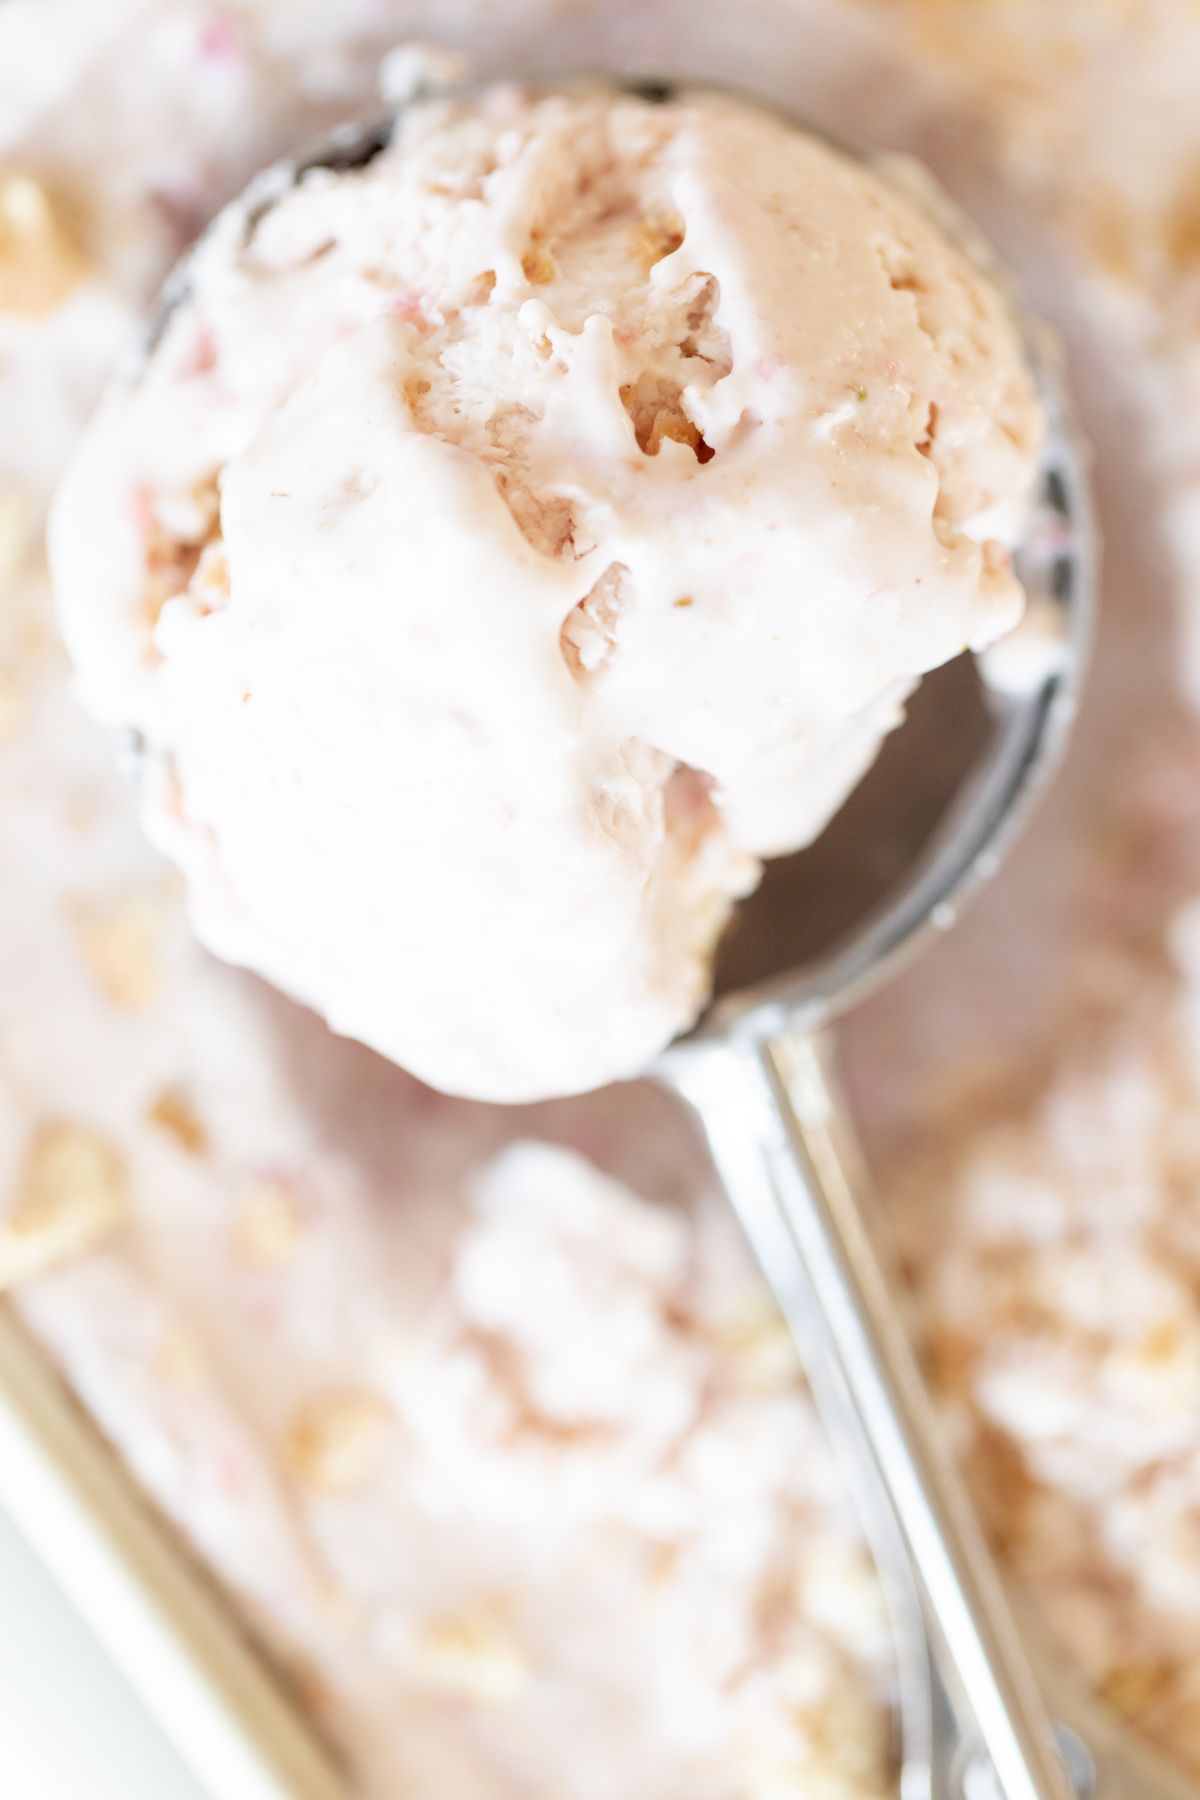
x,y
522,526
511,542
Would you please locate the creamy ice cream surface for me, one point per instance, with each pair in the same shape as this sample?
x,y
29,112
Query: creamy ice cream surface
x,y
243,1243
512,542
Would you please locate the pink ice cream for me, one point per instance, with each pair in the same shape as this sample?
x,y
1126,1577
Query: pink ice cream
x,y
511,544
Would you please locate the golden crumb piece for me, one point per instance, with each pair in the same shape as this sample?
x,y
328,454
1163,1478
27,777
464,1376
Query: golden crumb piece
x,y
337,1441
680,431
174,1113
1134,1687
39,264
1159,1373
267,1227
655,238
121,945
1162,1344
472,1656
538,267
172,547
211,583
204,496
1181,225
656,413
950,1361
73,1198
759,1346
828,1737
416,387
169,569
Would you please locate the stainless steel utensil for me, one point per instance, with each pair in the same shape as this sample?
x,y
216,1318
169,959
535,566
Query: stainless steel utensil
x,y
756,1071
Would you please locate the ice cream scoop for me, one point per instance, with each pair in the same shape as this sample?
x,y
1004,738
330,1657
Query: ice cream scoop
x,y
513,540
971,1715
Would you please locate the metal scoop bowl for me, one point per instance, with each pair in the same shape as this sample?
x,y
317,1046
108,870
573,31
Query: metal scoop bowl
x,y
826,927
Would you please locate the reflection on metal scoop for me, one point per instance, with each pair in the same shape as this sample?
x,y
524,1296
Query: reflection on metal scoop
x,y
826,926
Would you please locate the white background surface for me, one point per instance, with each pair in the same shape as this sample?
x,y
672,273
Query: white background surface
x,y
70,1728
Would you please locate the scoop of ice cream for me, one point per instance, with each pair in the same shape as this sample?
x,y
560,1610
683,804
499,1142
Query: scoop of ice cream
x,y
510,543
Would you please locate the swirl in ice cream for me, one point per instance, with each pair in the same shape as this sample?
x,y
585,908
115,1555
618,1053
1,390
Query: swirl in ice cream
x,y
511,543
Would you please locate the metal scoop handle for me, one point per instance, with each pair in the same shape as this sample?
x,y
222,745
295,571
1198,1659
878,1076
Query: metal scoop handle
x,y
784,1150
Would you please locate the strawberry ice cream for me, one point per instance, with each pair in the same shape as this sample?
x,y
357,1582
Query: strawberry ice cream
x,y
512,542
